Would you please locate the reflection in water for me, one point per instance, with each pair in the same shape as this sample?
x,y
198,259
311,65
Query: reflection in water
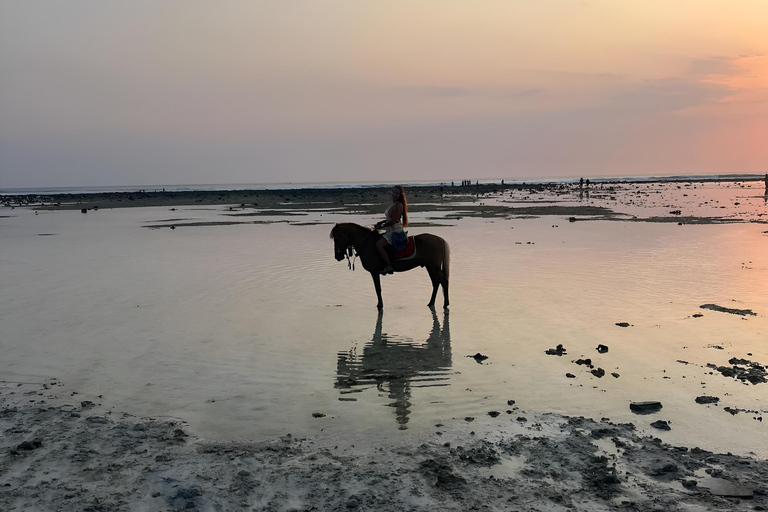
x,y
395,365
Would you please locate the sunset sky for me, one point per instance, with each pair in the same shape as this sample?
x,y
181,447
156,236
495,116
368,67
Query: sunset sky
x,y
153,92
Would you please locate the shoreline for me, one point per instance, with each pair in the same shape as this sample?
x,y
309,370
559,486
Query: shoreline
x,y
70,454
292,198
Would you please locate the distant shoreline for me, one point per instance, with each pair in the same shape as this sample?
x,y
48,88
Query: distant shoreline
x,y
290,198
213,187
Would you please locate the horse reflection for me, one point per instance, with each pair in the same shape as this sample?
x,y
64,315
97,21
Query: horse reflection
x,y
396,365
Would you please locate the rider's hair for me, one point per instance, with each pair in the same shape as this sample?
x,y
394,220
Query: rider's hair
x,y
404,201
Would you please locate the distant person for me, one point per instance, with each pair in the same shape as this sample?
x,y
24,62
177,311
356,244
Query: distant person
x,y
396,217
581,182
766,184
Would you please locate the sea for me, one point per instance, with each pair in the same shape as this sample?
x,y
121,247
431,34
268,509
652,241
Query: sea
x,y
251,330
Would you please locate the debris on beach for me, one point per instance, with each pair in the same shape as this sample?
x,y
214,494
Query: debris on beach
x,y
602,349
646,407
733,311
705,399
479,358
557,351
743,370
622,324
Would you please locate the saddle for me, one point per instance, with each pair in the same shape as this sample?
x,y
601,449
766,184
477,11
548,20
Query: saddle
x,y
407,253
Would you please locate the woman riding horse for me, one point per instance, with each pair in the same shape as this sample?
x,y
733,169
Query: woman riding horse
x,y
393,226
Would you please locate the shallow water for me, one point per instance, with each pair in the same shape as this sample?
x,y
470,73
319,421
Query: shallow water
x,y
246,330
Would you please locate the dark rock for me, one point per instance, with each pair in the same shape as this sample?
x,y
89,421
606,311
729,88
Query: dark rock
x,y
469,418
615,375
440,474
647,407
86,404
663,469
622,324
570,375
479,357
587,362
493,414
733,311
602,349
30,445
558,351
318,415
697,315
661,425
707,399
510,402
599,373
188,494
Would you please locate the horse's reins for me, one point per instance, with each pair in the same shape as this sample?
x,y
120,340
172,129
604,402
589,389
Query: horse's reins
x,y
350,252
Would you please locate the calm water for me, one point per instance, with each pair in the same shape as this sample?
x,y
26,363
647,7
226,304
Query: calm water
x,y
246,330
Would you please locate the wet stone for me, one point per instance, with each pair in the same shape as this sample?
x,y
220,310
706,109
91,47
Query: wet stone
x,y
661,425
707,399
557,351
479,357
646,407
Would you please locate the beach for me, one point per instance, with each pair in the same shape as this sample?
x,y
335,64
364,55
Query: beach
x,y
203,351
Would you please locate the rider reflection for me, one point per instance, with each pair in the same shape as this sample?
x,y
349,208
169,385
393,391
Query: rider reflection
x,y
396,365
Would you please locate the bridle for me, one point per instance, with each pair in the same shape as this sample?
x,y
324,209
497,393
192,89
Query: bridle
x,y
349,249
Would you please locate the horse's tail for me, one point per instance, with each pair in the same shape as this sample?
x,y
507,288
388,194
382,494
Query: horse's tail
x,y
446,260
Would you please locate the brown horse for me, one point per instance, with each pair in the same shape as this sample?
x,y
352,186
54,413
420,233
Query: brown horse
x,y
432,252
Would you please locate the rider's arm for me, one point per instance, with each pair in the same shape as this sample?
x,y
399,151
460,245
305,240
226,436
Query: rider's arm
x,y
395,214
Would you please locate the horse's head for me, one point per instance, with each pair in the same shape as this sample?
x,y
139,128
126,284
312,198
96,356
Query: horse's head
x,y
341,243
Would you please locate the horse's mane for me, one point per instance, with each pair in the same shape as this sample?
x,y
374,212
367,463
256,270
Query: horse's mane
x,y
338,228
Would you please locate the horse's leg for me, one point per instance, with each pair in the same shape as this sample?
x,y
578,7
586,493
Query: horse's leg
x,y
377,284
445,291
434,275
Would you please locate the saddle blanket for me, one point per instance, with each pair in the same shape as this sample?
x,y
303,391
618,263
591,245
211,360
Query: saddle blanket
x,y
409,251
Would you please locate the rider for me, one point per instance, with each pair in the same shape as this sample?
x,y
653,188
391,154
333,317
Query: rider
x,y
397,210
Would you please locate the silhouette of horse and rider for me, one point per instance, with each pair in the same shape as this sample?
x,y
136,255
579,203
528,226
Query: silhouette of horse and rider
x,y
395,365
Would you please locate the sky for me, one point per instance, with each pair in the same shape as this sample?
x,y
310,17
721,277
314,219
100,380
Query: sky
x,y
154,92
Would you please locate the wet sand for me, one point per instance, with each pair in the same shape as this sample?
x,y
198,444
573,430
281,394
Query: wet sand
x,y
61,452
